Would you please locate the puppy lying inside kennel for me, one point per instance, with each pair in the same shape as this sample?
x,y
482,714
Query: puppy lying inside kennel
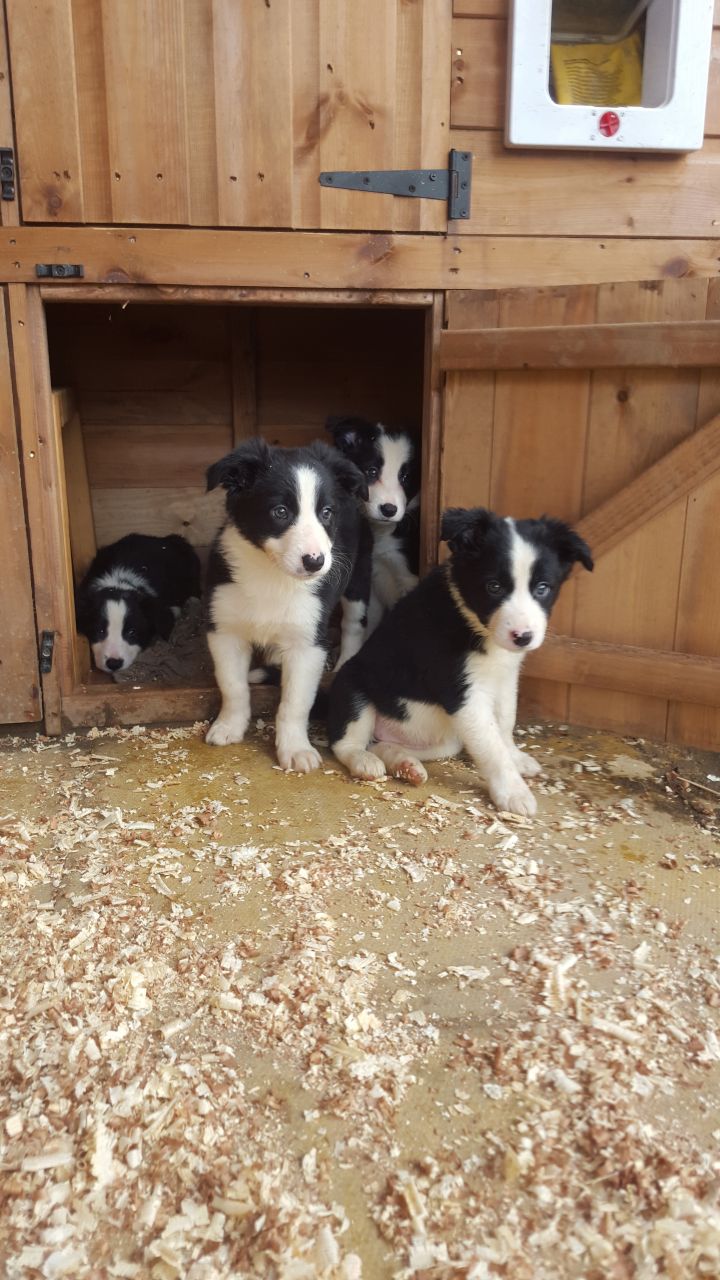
x,y
159,393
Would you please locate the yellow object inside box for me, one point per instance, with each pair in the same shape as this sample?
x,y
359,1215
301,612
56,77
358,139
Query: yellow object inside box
x,y
598,75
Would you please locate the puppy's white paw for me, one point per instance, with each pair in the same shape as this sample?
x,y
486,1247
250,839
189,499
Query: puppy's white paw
x,y
512,795
226,729
526,765
363,764
299,760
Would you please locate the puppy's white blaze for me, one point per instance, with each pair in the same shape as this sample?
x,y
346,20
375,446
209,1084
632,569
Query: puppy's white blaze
x,y
388,489
520,612
113,645
306,536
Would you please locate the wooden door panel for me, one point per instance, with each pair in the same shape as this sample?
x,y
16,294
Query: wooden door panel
x,y
19,679
630,454
215,112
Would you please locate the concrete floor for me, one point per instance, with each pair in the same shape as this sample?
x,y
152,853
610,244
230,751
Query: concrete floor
x,y
262,1024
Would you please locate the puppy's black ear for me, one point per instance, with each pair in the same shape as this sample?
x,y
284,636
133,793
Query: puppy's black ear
x,y
566,543
465,529
349,433
240,469
349,477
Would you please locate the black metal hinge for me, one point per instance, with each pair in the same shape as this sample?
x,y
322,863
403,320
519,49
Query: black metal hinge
x,y
7,173
47,647
452,184
59,270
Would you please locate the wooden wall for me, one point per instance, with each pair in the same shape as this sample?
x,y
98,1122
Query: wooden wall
x,y
563,441
224,112
549,193
163,391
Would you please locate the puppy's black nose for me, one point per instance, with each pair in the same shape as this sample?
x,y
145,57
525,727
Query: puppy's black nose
x,y
388,509
113,664
521,638
313,563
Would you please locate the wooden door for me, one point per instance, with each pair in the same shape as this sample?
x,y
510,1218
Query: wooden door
x,y
600,404
224,112
19,680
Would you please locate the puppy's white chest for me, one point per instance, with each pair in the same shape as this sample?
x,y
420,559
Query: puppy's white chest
x,y
391,577
262,604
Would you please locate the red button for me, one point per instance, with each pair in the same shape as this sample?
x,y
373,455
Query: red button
x,y
609,123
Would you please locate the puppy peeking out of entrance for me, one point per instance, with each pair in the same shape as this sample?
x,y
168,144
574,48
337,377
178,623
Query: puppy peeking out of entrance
x,y
290,550
440,674
132,595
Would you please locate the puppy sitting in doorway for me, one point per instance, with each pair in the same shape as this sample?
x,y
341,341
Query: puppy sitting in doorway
x,y
441,672
388,460
289,551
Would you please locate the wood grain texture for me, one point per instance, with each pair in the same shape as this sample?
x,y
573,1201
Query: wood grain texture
x,y
214,112
598,346
686,467
540,418
19,676
469,405
314,260
636,417
431,442
546,193
83,544
146,108
629,669
479,75
696,625
46,119
9,209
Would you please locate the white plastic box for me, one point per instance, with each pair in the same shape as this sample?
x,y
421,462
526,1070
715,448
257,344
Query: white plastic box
x,y
675,66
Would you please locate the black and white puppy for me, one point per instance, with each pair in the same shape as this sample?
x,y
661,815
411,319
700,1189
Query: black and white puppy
x,y
440,674
132,593
388,460
288,552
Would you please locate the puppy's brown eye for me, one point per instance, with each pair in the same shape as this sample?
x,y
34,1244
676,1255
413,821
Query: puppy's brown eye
x,y
372,473
280,513
493,587
542,589
326,515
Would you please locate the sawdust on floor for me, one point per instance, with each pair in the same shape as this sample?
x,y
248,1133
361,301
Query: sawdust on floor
x,y
256,1024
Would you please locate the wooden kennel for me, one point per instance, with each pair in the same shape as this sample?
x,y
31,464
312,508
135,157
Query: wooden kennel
x,y
175,277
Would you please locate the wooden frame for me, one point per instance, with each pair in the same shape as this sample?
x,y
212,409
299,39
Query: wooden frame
x,y
687,344
78,696
315,260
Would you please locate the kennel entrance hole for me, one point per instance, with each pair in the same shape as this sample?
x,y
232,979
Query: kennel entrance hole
x,y
163,390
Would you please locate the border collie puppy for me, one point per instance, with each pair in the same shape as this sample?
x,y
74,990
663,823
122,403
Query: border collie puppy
x,y
132,593
288,552
389,462
440,674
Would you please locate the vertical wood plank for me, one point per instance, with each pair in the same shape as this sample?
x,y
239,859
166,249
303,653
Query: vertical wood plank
x,y
92,110
46,114
312,111
538,451
431,436
243,360
19,676
469,405
28,345
697,627
422,106
147,132
635,417
200,92
9,209
359,42
253,87
83,543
